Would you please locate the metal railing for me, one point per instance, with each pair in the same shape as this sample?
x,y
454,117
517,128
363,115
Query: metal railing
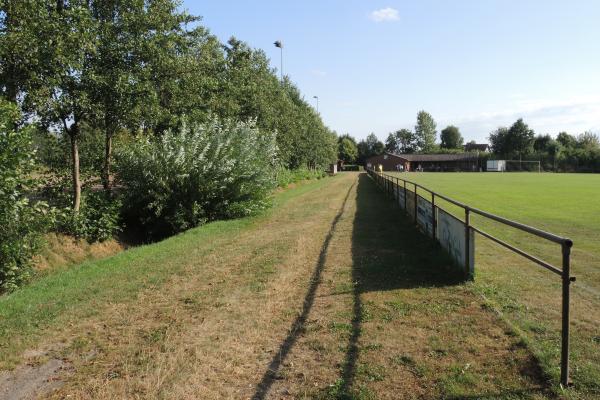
x,y
390,183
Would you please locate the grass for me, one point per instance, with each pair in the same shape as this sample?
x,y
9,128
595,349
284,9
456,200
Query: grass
x,y
321,297
527,295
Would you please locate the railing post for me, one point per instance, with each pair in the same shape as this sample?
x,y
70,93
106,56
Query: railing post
x,y
467,242
433,221
416,199
566,298
405,210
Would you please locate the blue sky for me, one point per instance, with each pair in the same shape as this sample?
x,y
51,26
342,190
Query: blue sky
x,y
476,64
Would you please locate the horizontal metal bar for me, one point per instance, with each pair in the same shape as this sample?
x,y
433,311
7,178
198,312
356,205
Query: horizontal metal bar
x,y
534,231
519,251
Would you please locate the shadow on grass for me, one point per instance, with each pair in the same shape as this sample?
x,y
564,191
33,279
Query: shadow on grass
x,y
298,326
388,253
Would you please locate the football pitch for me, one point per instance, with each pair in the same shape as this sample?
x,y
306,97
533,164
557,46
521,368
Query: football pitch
x,y
527,295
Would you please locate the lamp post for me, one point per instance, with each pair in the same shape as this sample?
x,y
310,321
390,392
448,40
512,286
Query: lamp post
x,y
317,97
279,44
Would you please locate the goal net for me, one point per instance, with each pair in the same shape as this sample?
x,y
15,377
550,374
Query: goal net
x,y
522,166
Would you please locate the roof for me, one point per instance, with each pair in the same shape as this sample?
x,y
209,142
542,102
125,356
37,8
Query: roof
x,y
435,157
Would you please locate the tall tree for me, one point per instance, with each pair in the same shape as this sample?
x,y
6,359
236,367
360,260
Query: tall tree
x,y
425,132
520,138
146,58
405,140
391,143
451,138
566,140
499,141
58,94
347,149
588,140
369,147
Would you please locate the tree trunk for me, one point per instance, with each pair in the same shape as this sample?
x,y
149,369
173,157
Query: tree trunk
x,y
74,136
107,160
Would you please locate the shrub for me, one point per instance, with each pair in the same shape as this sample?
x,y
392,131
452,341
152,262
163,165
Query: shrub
x,y
286,176
351,168
21,220
97,220
201,173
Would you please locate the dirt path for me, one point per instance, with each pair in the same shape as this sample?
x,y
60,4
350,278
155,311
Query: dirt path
x,y
333,295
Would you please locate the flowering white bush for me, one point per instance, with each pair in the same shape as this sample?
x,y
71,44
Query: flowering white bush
x,y
201,173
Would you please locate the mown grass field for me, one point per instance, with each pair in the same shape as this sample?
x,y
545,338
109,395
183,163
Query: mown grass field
x,y
332,294
529,296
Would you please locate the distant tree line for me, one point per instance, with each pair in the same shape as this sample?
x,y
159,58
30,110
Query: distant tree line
x,y
423,139
566,152
518,142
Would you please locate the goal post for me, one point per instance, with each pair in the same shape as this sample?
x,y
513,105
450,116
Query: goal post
x,y
523,166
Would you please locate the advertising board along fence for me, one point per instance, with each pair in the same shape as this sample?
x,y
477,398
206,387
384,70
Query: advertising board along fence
x,y
457,237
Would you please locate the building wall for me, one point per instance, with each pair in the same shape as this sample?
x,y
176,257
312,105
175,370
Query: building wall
x,y
388,162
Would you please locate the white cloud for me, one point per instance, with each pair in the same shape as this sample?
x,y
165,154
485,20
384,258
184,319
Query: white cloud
x,y
384,15
574,115
318,72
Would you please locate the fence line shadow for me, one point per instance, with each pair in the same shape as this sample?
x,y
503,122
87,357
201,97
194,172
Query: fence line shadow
x,y
388,253
262,389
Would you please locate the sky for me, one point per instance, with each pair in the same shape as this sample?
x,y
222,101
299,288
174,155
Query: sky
x,y
476,64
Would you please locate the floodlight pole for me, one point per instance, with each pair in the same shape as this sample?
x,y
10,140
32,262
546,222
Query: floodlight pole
x,y
317,97
279,43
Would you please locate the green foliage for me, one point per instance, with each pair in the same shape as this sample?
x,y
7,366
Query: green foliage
x,y
21,220
97,220
565,153
566,140
286,176
188,177
369,147
402,141
425,132
347,149
350,167
451,138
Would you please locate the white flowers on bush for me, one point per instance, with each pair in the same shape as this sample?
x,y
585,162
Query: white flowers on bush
x,y
201,173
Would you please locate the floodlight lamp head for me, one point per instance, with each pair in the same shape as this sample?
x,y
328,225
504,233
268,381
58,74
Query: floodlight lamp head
x,y
278,43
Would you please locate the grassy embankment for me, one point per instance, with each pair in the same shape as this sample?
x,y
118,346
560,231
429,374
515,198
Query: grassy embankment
x,y
321,297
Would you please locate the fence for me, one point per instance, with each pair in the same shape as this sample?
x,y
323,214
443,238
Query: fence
x,y
457,237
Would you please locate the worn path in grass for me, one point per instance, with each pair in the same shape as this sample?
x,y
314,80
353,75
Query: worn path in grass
x,y
329,295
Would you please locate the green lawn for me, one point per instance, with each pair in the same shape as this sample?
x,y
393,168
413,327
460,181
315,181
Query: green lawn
x,y
331,294
529,296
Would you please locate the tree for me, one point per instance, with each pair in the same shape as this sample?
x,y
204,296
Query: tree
x,y
347,149
451,138
425,132
375,146
143,59
499,141
22,220
520,138
588,140
369,147
406,141
541,143
59,94
566,140
391,143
